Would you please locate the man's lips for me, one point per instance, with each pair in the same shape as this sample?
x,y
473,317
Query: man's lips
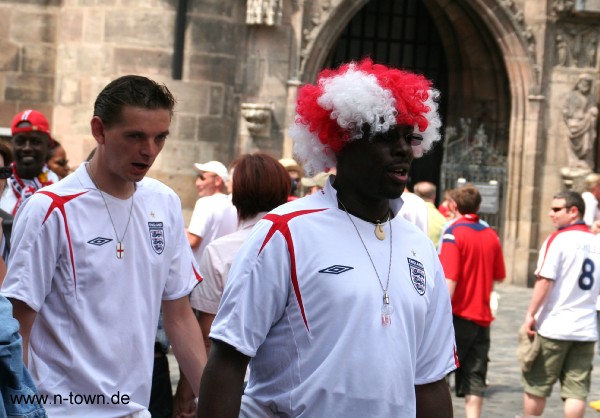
x,y
141,166
399,172
29,159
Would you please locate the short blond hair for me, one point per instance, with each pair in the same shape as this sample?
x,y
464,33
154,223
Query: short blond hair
x,y
591,180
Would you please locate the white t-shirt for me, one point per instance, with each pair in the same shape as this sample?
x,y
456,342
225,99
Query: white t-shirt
x,y
302,299
216,263
213,217
415,211
96,314
570,257
591,208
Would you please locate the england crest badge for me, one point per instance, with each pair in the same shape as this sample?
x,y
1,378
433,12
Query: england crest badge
x,y
417,275
157,236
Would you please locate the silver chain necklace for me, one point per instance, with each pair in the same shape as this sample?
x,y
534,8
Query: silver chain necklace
x,y
386,309
120,248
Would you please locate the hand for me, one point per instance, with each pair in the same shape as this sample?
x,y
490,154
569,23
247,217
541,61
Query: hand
x,y
530,325
184,408
596,227
184,401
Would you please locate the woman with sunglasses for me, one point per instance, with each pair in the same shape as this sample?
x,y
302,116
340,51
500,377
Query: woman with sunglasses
x,y
57,160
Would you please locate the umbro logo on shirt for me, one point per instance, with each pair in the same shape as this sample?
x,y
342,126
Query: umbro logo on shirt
x,y
336,269
99,241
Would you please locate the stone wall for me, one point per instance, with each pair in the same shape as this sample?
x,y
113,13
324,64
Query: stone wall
x,y
28,59
58,55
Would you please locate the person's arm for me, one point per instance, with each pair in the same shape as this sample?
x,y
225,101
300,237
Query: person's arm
x,y
205,320
451,287
183,402
541,290
222,383
26,316
2,270
184,334
194,240
596,227
434,400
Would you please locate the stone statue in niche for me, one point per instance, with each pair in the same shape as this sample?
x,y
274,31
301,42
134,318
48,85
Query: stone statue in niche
x,y
589,58
563,6
563,53
264,12
580,114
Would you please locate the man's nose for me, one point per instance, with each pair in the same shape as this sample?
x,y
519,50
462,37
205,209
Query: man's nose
x,y
27,144
402,147
150,148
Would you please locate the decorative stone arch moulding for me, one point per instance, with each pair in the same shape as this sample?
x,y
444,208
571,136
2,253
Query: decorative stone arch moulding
x,y
524,31
326,19
323,24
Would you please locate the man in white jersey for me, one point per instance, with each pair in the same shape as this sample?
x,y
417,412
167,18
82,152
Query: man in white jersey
x,y
340,303
95,256
214,215
563,310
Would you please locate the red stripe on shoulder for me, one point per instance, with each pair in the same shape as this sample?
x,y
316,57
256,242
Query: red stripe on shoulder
x,y
575,227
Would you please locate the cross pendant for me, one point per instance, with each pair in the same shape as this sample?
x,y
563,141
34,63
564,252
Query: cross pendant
x,y
120,250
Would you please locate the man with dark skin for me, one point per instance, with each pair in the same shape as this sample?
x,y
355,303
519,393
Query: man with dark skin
x,y
30,141
322,343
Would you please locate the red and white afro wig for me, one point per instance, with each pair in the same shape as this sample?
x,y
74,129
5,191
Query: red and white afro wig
x,y
334,110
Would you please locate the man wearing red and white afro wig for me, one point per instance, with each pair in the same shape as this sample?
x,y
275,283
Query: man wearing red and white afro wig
x,y
344,101
357,320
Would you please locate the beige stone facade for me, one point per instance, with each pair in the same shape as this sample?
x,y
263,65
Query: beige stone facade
x,y
509,66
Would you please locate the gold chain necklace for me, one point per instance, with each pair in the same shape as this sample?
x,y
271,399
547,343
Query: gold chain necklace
x,y
120,248
386,309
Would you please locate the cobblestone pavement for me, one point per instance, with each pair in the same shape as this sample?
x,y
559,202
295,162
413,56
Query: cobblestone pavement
x,y
504,397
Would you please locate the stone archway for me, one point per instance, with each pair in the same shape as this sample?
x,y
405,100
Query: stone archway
x,y
492,77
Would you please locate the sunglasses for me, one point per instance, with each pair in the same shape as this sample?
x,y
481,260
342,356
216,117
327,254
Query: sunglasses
x,y
414,139
558,209
62,162
205,175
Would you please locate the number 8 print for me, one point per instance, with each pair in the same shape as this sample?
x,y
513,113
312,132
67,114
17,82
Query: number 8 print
x,y
586,278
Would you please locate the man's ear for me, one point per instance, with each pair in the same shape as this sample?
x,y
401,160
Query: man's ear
x,y
98,130
574,211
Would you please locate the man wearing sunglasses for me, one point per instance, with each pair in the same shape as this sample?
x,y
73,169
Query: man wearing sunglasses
x,y
562,310
214,214
339,302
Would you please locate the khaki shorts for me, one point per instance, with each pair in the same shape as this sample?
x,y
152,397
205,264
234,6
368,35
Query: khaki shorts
x,y
570,362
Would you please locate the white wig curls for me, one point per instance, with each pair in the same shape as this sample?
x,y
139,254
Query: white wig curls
x,y
333,112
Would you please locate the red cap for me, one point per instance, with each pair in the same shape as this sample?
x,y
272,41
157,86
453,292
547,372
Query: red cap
x,y
37,120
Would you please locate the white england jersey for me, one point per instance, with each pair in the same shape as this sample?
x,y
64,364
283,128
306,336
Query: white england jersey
x,y
570,257
96,314
303,300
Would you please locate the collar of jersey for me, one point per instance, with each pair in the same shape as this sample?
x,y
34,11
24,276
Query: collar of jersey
x,y
331,194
